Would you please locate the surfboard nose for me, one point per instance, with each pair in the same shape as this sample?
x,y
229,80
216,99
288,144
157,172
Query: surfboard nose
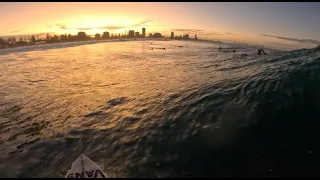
x,y
84,167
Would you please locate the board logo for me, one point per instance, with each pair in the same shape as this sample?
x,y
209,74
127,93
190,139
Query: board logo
x,y
88,174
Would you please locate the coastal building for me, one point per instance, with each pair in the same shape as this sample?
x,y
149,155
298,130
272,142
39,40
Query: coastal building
x,y
131,34
97,36
137,34
106,35
172,35
150,35
143,32
82,35
157,35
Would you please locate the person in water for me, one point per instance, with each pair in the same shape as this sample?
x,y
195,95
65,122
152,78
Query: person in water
x,y
261,50
219,48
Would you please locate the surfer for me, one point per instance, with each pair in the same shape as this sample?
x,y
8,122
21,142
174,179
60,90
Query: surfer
x,y
219,48
261,50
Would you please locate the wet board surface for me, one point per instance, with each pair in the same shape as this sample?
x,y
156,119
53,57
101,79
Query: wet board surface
x,y
83,167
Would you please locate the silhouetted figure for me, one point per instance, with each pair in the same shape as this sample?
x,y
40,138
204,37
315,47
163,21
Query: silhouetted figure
x,y
261,50
244,54
234,51
219,48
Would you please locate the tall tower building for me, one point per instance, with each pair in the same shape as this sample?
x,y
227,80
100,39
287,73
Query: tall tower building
x,y
131,34
172,35
143,32
106,35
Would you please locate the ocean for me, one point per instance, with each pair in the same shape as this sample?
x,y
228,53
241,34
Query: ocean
x,y
189,110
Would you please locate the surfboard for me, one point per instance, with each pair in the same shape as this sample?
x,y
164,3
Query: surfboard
x,y
84,167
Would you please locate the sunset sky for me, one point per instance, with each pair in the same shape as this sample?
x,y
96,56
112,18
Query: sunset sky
x,y
281,25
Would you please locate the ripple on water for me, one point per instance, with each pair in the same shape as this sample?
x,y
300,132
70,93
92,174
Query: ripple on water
x,y
172,113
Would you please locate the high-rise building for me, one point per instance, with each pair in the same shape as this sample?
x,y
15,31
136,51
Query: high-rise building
x,y
97,36
157,35
137,34
150,35
172,35
131,34
81,35
105,35
143,32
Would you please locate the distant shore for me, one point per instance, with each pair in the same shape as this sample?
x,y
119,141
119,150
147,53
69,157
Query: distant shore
x,y
44,42
92,40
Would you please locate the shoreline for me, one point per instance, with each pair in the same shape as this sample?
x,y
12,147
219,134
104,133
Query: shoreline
x,y
96,41
92,41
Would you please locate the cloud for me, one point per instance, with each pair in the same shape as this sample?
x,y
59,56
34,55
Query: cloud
x,y
108,27
84,29
213,33
111,27
15,31
312,41
188,30
141,23
49,26
231,33
62,26
114,27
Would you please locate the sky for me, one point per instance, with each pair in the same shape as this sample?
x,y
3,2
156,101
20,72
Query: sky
x,y
286,26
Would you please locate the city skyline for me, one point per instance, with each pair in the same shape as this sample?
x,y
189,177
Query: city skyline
x,y
11,42
280,25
